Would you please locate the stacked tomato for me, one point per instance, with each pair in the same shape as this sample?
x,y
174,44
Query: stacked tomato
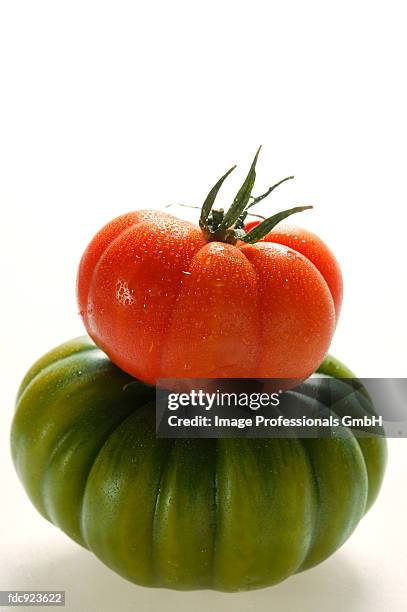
x,y
165,299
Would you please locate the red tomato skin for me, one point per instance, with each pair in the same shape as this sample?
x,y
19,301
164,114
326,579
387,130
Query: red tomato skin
x,y
314,249
162,302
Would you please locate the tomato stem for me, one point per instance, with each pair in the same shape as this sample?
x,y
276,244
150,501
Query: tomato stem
x,y
242,197
210,199
229,227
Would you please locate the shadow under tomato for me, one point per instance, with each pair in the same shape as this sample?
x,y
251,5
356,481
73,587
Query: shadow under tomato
x,y
92,587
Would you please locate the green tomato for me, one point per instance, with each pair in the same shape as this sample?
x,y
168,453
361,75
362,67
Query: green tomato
x,y
225,514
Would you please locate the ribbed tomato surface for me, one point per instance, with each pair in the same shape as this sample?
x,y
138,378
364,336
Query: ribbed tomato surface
x,y
163,302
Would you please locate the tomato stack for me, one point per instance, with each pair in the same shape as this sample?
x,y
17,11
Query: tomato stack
x,y
162,298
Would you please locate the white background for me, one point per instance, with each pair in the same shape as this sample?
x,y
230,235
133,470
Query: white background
x,y
110,106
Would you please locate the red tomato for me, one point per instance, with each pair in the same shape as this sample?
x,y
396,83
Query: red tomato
x,y
167,299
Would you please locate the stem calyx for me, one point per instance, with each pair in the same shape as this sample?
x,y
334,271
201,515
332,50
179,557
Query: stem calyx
x,y
229,226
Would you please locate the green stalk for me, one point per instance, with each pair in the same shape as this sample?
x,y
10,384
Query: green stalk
x,y
210,200
242,198
229,227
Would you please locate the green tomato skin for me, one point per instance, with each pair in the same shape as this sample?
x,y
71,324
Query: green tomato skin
x,y
227,514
